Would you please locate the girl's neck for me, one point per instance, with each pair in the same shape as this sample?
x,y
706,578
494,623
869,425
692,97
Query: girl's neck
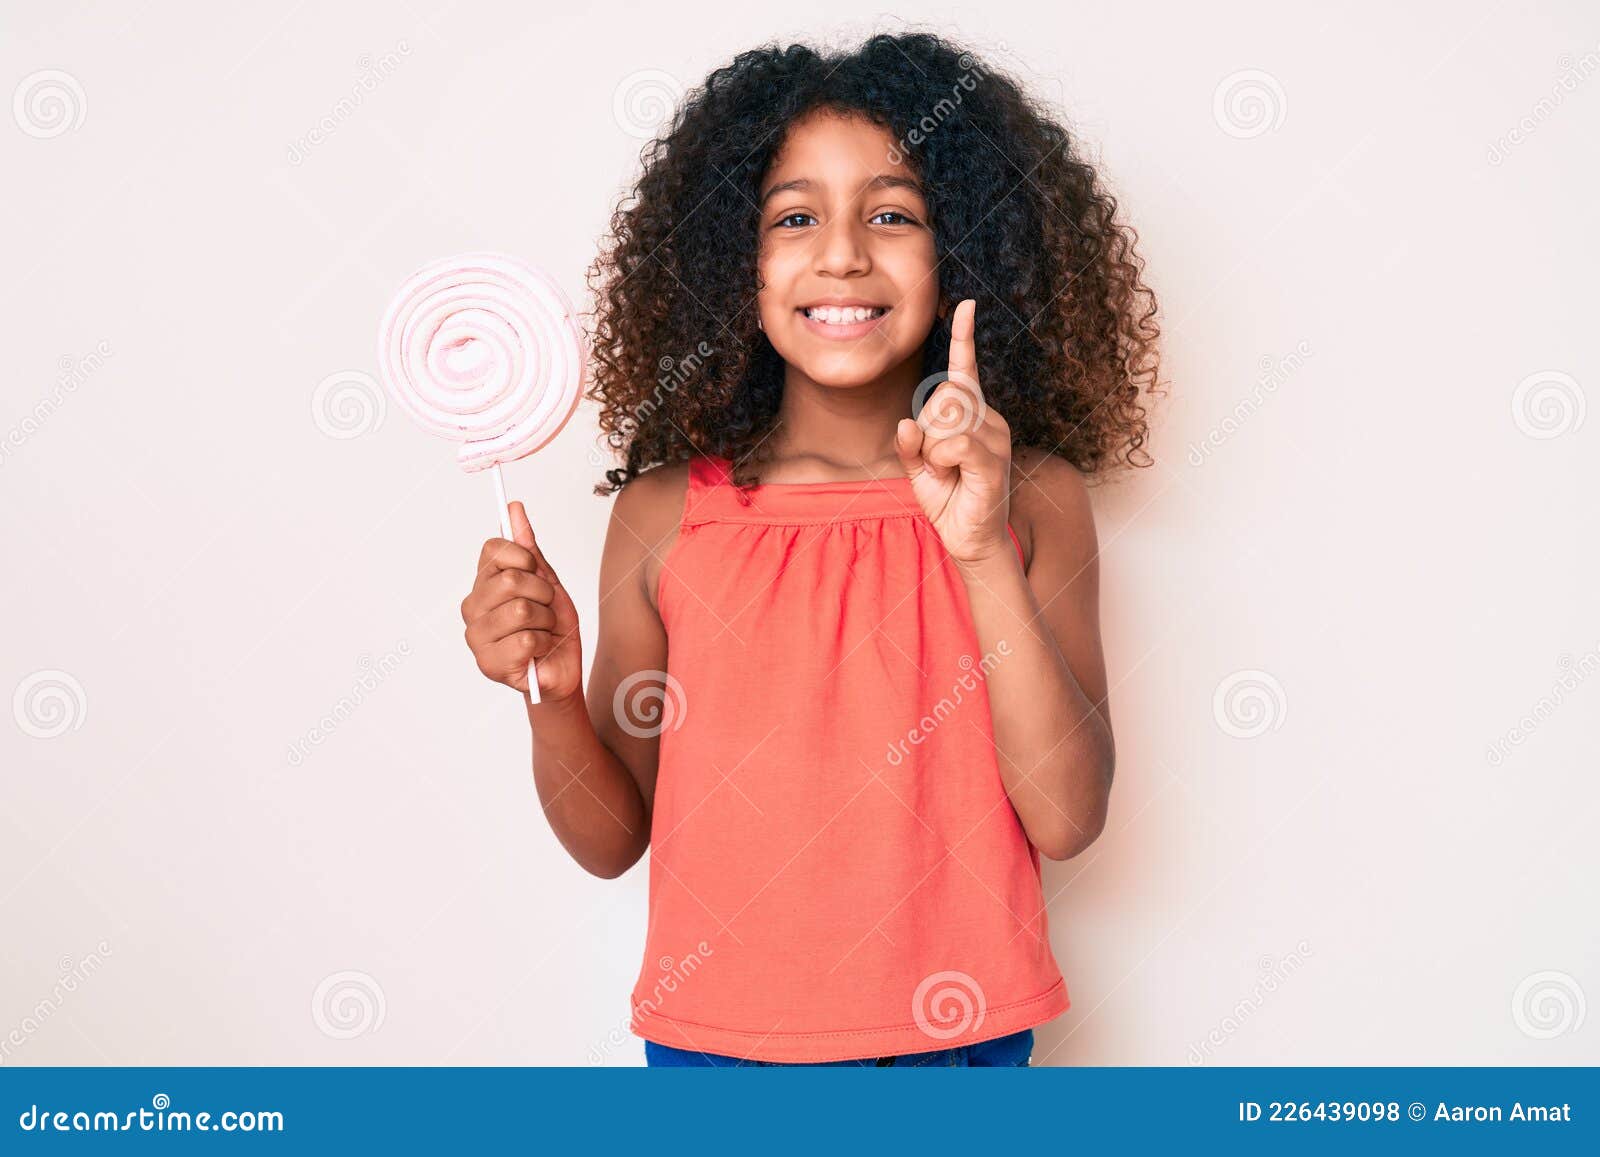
x,y
851,428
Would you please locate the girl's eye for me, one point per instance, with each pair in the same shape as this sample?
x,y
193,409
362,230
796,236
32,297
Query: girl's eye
x,y
900,219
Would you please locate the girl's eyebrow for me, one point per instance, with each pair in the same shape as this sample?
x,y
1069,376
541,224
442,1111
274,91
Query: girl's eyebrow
x,y
882,181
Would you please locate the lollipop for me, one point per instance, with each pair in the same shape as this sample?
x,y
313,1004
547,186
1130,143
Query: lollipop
x,y
486,351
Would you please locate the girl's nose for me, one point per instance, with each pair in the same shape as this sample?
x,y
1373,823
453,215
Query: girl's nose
x,y
841,250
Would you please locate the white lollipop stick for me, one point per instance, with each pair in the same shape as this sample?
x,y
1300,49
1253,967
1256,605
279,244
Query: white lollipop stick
x,y
505,532
505,505
487,351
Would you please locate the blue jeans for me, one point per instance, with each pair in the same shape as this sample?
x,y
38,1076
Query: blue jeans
x,y
1013,1050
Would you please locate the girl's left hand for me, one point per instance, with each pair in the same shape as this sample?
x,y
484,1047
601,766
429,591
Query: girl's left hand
x,y
957,453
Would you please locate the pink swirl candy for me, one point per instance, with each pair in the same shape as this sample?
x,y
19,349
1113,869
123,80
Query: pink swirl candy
x,y
487,351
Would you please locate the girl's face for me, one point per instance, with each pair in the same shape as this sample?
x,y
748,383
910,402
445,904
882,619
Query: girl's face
x,y
844,228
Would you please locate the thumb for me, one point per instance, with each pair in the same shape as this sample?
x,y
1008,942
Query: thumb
x,y
522,535
521,528
908,436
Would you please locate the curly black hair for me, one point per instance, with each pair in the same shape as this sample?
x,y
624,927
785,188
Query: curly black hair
x,y
1021,222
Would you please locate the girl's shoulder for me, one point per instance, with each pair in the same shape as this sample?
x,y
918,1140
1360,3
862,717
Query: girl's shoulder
x,y
655,494
1050,504
647,510
651,503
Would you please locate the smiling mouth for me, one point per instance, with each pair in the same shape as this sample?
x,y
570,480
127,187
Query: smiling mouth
x,y
844,315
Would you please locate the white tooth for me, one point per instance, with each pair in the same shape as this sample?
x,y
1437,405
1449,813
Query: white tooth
x,y
833,317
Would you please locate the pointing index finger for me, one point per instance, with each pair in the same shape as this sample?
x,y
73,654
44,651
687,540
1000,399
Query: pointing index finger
x,y
963,344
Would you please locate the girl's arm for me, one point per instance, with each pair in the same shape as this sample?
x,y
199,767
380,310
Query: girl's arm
x,y
595,780
1052,721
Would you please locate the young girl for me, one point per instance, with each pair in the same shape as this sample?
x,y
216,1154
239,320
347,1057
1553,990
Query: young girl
x,y
848,683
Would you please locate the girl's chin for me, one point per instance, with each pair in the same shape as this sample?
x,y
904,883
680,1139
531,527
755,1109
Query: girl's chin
x,y
831,373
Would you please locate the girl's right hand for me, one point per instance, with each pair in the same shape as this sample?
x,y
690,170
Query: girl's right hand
x,y
518,612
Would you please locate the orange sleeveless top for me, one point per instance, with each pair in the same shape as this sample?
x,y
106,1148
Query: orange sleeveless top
x,y
836,871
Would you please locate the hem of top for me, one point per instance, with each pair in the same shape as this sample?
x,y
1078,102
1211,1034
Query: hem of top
x,y
846,1044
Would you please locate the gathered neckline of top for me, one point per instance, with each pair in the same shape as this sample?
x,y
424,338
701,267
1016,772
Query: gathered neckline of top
x,y
712,498
890,480
886,480
715,499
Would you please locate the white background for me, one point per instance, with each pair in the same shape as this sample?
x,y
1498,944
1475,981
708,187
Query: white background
x,y
1355,279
